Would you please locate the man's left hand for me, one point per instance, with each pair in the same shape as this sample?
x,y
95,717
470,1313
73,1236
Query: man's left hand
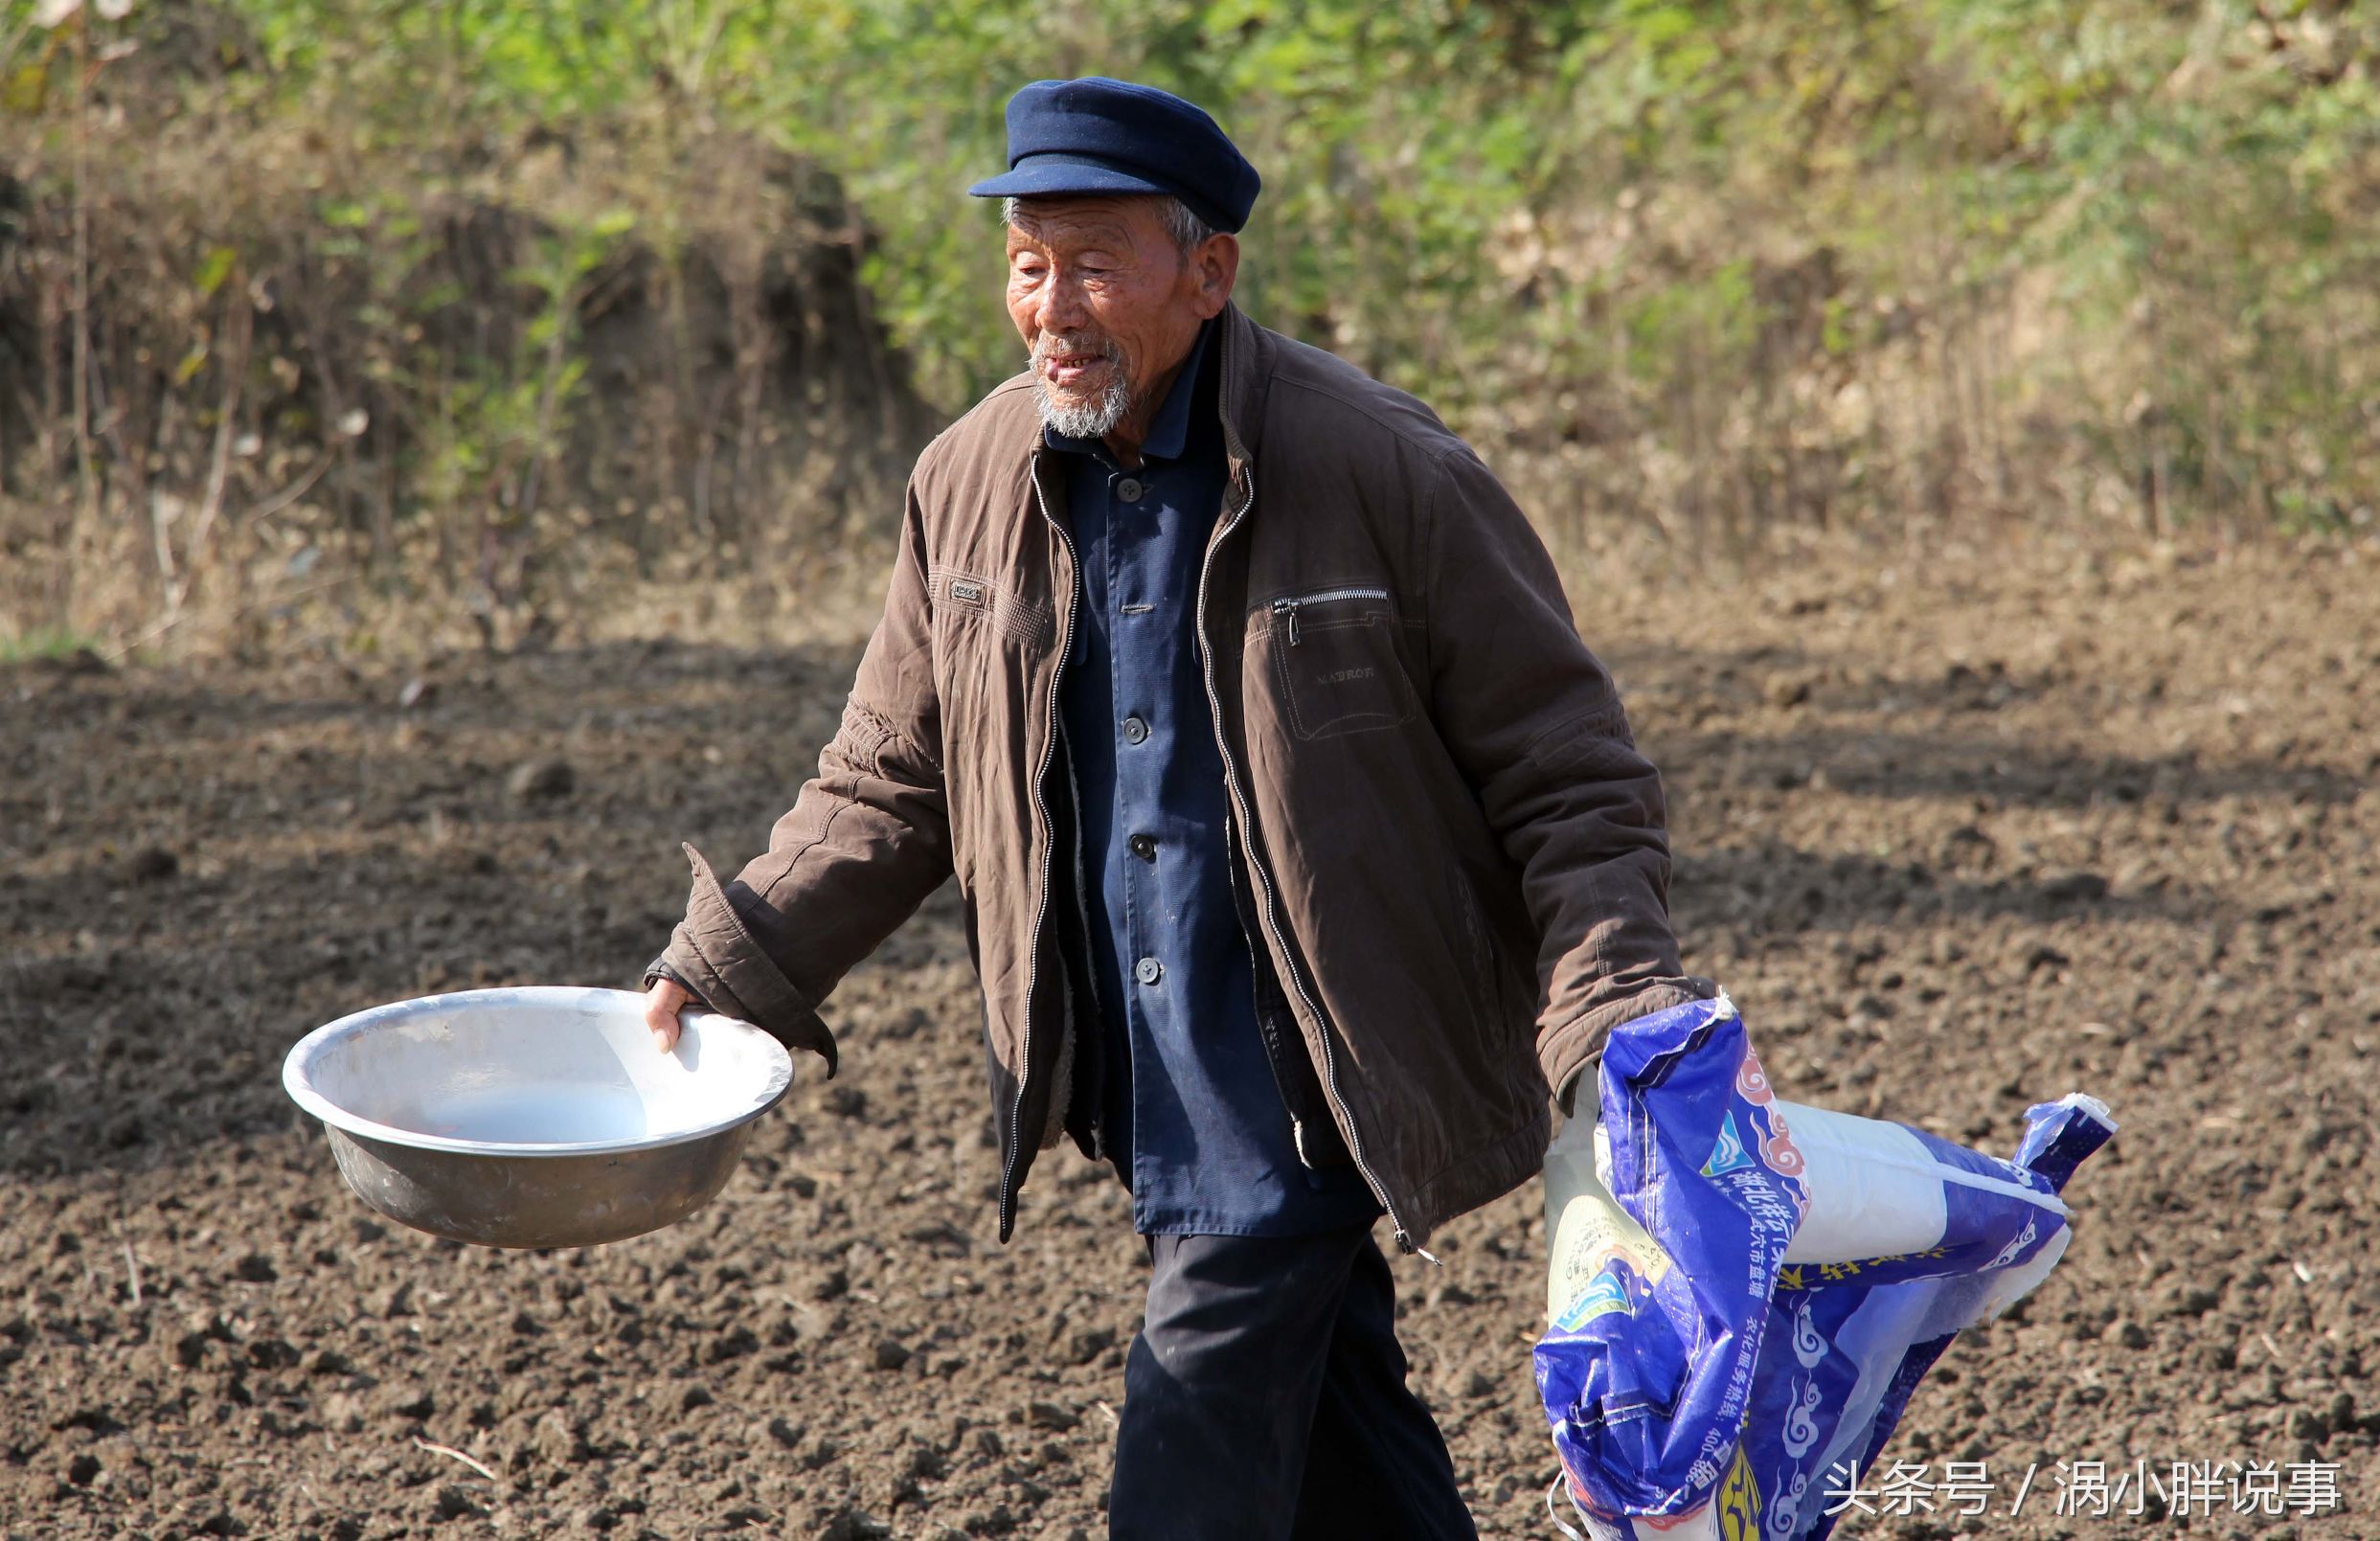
x,y
662,1005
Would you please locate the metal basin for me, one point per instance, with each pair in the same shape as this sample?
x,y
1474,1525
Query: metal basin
x,y
539,1117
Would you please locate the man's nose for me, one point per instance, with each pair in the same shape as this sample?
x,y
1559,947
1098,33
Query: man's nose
x,y
1059,307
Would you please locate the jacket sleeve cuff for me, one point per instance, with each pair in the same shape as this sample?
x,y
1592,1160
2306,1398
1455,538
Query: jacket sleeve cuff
x,y
713,955
661,968
1569,1051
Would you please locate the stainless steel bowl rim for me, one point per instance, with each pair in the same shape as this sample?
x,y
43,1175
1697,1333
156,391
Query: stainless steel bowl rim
x,y
298,1081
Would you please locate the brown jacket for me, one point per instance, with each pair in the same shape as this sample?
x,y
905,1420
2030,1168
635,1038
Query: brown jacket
x,y
1459,867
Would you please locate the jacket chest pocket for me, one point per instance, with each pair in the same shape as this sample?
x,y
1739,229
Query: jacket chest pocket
x,y
977,605
1336,663
987,640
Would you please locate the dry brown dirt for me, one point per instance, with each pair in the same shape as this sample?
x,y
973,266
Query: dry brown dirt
x,y
1959,835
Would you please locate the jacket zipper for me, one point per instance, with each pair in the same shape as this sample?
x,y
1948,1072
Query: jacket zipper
x,y
1288,606
1082,919
1264,883
1041,904
1268,1018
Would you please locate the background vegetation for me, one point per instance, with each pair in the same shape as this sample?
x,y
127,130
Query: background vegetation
x,y
353,318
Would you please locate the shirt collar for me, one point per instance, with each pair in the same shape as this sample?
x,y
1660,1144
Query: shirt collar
x,y
1170,432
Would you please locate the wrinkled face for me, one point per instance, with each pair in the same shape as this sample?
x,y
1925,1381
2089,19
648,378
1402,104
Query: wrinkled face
x,y
1108,304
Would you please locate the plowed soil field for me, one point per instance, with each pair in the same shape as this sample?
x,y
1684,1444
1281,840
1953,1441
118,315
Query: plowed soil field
x,y
1960,836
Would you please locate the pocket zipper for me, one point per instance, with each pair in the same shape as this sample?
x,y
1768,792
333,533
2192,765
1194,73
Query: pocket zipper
x,y
1287,605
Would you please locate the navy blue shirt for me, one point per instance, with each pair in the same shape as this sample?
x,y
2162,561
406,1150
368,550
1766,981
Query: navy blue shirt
x,y
1190,1109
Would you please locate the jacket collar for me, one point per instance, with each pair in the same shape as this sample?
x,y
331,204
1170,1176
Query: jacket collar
x,y
1246,371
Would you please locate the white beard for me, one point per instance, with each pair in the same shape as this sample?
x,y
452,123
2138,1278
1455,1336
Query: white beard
x,y
1094,419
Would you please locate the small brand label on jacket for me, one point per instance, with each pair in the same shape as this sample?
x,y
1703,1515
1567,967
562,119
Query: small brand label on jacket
x,y
966,591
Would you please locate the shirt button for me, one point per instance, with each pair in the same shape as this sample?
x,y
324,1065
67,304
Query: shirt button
x,y
1147,970
1144,847
1134,730
1130,488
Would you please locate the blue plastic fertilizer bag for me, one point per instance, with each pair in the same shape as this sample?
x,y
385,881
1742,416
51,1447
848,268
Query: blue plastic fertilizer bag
x,y
1744,1291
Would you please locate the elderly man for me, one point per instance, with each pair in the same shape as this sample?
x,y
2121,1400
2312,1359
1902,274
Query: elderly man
x,y
1303,843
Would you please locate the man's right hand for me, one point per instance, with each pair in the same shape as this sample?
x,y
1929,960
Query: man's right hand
x,y
662,1005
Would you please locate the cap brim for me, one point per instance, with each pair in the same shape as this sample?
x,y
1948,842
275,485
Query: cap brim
x,y
1040,176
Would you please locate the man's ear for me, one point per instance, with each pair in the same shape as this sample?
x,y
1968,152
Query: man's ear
x,y
1215,267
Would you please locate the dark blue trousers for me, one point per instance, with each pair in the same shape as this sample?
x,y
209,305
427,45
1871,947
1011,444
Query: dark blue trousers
x,y
1265,1398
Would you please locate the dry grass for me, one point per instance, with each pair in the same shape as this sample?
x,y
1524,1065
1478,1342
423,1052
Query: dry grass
x,y
265,381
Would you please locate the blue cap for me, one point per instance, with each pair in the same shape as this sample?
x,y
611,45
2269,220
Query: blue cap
x,y
1100,136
